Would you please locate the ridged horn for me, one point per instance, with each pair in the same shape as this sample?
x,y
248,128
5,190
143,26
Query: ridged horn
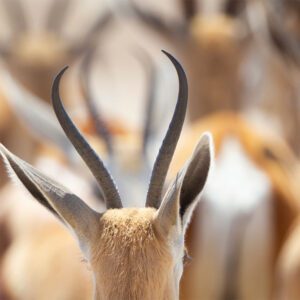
x,y
92,160
169,143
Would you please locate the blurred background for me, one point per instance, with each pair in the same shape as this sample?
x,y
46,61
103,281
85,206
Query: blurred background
x,y
242,60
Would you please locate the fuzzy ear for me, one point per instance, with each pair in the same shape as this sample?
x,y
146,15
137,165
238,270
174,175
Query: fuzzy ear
x,y
182,196
195,176
167,217
69,208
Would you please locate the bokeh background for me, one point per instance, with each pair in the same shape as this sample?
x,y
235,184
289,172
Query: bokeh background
x,y
242,60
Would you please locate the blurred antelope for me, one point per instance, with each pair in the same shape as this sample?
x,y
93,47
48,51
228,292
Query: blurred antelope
x,y
231,51
139,250
246,213
33,57
274,25
213,40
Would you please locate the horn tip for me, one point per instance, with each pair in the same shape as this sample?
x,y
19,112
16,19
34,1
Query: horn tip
x,y
62,71
166,53
56,81
175,62
170,56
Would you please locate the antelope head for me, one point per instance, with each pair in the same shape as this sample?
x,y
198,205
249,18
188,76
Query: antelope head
x,y
134,253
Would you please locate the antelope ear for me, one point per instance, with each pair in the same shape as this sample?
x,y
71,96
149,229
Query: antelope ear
x,y
183,194
69,208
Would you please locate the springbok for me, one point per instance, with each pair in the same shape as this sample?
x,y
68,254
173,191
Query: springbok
x,y
138,250
240,227
19,220
127,160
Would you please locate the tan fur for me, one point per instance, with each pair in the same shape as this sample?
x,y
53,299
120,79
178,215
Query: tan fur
x,y
130,248
134,253
131,255
27,224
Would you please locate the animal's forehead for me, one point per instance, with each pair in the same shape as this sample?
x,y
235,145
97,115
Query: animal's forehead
x,y
126,230
128,219
129,252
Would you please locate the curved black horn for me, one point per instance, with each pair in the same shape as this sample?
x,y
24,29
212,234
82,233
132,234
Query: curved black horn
x,y
169,143
95,164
